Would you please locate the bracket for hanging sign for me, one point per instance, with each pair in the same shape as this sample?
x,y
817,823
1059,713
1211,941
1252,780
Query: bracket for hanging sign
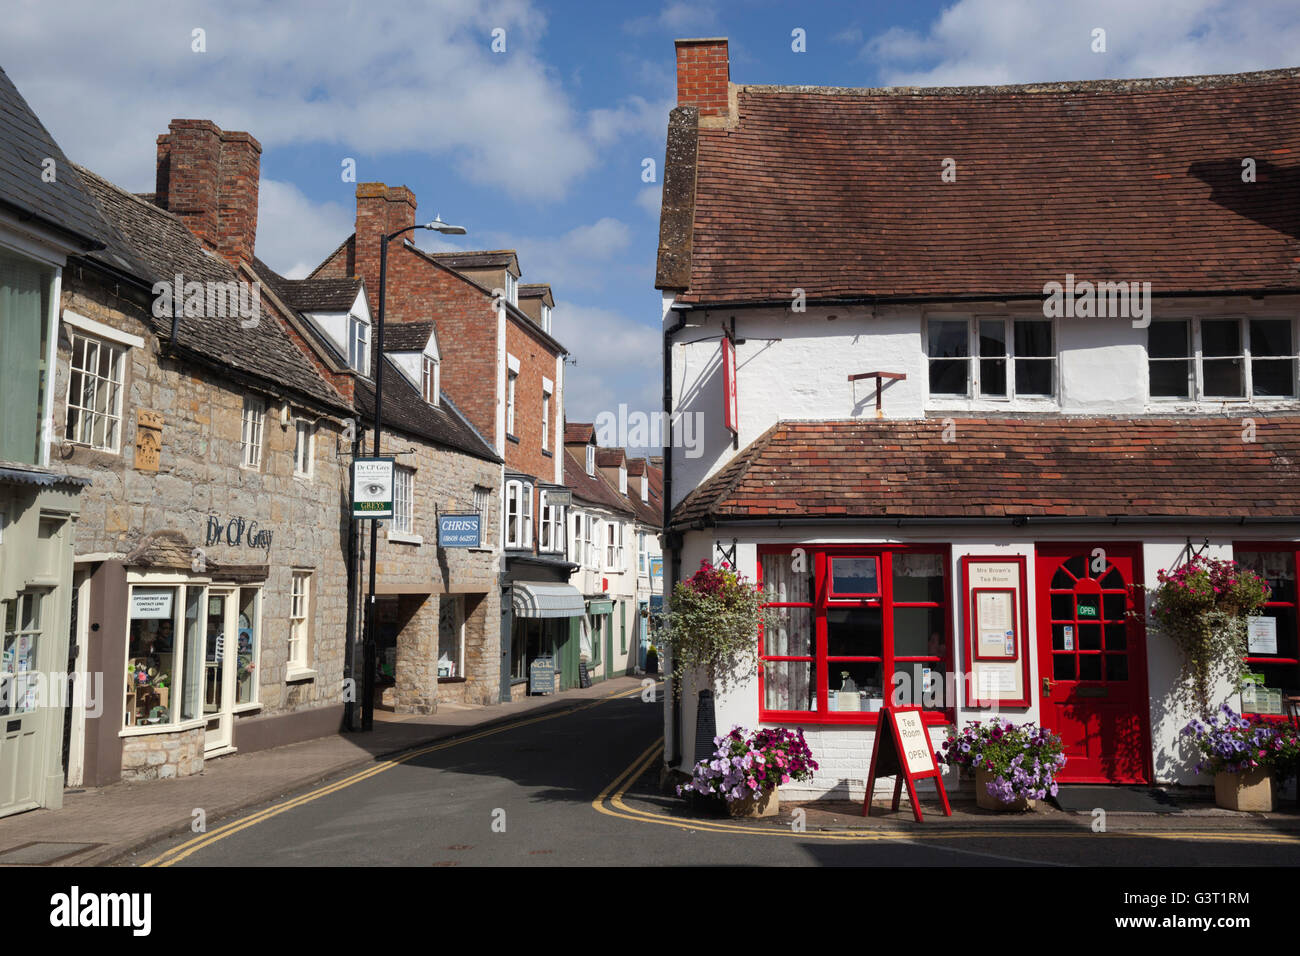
x,y
880,384
1195,552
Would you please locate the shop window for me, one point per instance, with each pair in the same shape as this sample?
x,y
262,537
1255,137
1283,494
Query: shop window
x,y
165,652
886,617
300,621
19,683
991,358
95,379
250,645
1222,359
250,437
1273,638
451,637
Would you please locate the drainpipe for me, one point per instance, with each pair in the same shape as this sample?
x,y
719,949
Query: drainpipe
x,y
673,552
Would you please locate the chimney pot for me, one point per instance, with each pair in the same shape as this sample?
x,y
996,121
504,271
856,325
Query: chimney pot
x,y
703,75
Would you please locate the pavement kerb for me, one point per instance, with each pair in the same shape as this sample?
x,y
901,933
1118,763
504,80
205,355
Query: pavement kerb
x,y
115,853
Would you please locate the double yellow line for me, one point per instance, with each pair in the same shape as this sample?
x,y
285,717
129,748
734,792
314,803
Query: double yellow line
x,y
611,803
183,850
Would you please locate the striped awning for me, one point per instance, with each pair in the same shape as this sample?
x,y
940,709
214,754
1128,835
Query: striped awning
x,y
532,599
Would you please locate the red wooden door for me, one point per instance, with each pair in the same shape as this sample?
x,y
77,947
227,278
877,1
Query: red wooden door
x,y
1092,660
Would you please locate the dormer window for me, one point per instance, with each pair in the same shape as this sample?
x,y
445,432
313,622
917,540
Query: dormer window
x,y
430,379
622,479
512,288
358,345
645,488
546,318
591,459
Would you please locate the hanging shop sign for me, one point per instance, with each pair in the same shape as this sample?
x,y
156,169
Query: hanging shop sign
x,y
372,488
459,531
561,499
997,629
731,413
902,750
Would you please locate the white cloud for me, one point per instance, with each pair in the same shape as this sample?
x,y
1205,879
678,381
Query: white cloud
x,y
977,42
295,234
580,259
618,360
651,200
405,75
678,18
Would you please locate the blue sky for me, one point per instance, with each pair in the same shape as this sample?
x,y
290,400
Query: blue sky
x,y
541,147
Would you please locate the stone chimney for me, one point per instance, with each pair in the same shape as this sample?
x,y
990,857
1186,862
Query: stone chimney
x,y
209,178
381,210
703,75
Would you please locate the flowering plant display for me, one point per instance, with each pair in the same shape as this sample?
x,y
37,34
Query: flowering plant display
x,y
1202,607
712,621
1231,743
747,764
1023,759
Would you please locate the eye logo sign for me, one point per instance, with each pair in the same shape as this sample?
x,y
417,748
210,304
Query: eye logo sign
x,y
372,488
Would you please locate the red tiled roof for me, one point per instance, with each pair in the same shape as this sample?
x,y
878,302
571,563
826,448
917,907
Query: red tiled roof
x,y
610,457
582,432
1064,467
593,489
839,192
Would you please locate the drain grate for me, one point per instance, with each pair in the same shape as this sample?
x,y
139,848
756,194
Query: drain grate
x,y
40,854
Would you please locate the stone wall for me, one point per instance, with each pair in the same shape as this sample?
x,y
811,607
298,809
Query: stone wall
x,y
199,486
159,756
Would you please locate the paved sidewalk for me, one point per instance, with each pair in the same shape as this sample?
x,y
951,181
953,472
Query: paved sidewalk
x,y
123,817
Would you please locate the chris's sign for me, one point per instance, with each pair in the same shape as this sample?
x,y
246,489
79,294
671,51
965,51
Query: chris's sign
x,y
459,531
237,532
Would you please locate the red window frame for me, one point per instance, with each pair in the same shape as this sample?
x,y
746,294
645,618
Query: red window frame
x,y
819,557
1292,548
853,595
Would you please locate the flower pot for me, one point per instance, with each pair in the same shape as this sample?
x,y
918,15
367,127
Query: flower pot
x,y
1254,790
764,804
987,801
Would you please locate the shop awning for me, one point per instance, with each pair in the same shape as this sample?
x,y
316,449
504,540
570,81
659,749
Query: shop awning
x,y
546,600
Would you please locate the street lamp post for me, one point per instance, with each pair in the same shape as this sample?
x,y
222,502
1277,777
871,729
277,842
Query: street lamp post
x,y
368,645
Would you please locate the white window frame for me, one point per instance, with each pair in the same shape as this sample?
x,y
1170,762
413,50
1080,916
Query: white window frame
x,y
304,427
642,555
180,651
622,480
512,288
483,505
593,531
552,526
645,488
546,318
252,432
972,359
613,545
430,379
87,414
358,344
519,506
1196,358
403,523
299,648
546,417
512,378
591,459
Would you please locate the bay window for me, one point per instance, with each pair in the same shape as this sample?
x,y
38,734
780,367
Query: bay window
x,y
1222,359
519,514
1273,636
551,526
851,624
164,656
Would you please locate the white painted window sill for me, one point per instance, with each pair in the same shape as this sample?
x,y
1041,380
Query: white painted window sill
x,y
401,537
146,730
245,708
296,675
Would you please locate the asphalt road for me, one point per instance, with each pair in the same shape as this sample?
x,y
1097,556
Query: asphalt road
x,y
552,790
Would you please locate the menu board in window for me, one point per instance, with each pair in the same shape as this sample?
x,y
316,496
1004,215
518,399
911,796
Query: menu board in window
x,y
996,619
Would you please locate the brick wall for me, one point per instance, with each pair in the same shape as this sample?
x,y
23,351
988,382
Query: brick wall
x,y
703,75
536,360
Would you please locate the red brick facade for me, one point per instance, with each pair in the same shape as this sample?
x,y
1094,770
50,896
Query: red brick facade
x,y
703,75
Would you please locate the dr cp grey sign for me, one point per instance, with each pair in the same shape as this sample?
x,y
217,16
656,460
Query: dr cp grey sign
x,y
459,531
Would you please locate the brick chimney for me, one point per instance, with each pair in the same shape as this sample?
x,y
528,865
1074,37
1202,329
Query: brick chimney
x,y
703,75
209,178
381,210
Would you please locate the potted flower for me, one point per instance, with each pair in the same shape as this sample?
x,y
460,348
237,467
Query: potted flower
x,y
711,624
1203,606
1249,757
746,769
1015,765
